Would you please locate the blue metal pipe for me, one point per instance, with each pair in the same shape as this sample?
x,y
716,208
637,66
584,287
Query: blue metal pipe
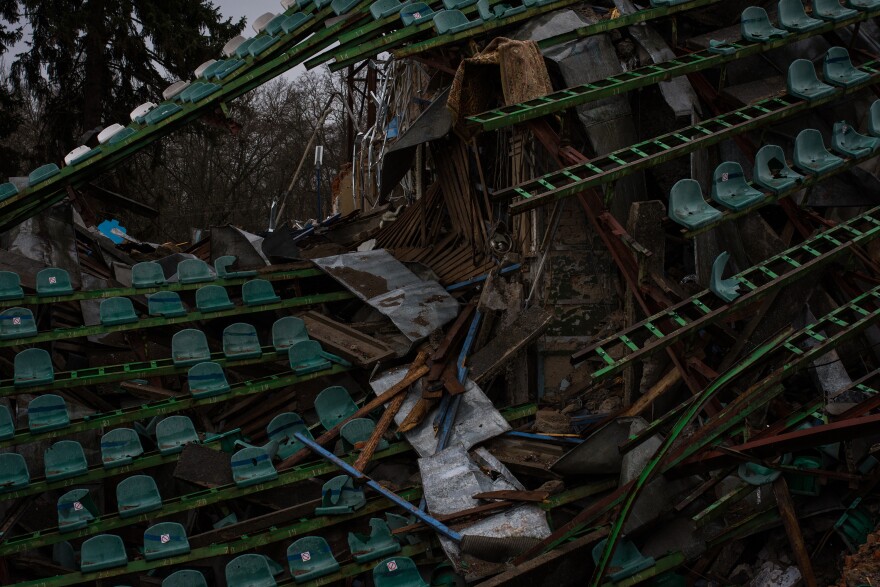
x,y
481,278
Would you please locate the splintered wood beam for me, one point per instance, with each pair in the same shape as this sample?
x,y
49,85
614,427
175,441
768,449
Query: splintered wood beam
x,y
793,529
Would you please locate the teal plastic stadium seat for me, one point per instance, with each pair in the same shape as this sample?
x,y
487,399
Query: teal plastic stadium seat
x,y
288,331
863,4
341,7
805,484
207,379
837,69
136,495
165,303
117,311
173,433
832,10
730,188
755,26
261,44
198,91
122,135
257,292
104,551
53,282
397,571
310,558
854,526
334,405
484,10
63,460
33,367
10,286
793,17
232,65
365,548
17,323
7,424
223,264
240,341
803,83
41,174
194,271
147,274
874,119
416,13
755,474
339,496
687,206
294,21
358,431
7,190
75,510
273,27
458,4
396,521
252,465
726,289
213,298
164,540
243,50
47,412
207,69
80,154
307,356
453,21
810,154
282,428
162,112
185,578
385,8
13,472
249,570
119,447
846,141
627,559
189,347
772,171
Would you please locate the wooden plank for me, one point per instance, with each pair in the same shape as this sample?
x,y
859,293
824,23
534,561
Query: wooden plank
x,y
490,359
350,344
793,529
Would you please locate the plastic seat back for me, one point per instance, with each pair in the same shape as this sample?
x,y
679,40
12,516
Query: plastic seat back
x,y
162,112
810,154
249,570
240,341
416,13
803,83
17,323
257,292
846,141
755,26
165,539
333,405
294,21
75,510
485,10
837,68
173,433
273,27
307,356
42,173
252,465
793,17
339,496
194,271
63,460
137,494
309,558
384,8
687,206
189,347
213,298
207,379
730,188
863,4
726,289
831,10
53,282
185,578
47,412
10,286
874,119
33,367
104,551
7,424
117,311
627,559
288,331
7,190
448,21
458,4
379,543
341,7
772,170
13,472
282,428
119,447
397,571
223,267
356,432
165,303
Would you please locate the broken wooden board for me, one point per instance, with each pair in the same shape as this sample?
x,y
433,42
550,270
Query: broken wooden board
x,y
203,466
490,359
354,346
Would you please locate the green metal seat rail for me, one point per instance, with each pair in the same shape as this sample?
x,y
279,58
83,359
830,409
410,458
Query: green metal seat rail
x,y
809,181
153,322
168,406
603,170
33,300
635,78
664,328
